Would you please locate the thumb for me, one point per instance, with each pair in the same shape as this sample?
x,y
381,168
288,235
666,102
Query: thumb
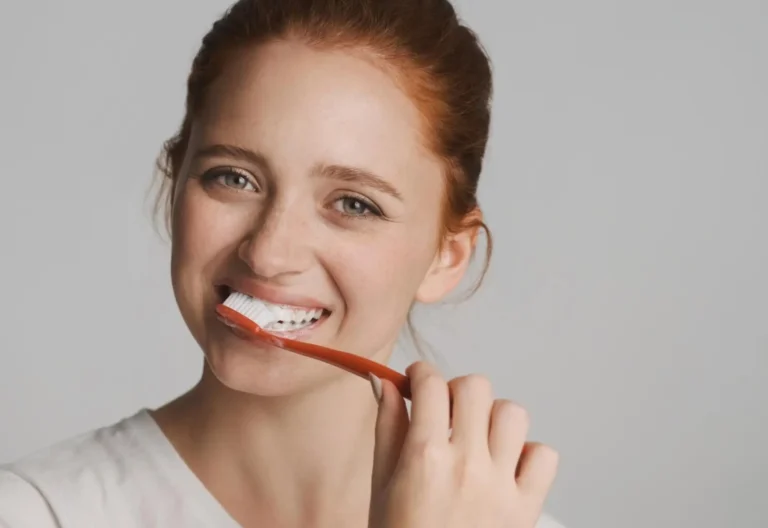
x,y
391,428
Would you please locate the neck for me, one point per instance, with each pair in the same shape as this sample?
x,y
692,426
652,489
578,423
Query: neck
x,y
299,460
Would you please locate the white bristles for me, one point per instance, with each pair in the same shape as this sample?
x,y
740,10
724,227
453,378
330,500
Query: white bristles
x,y
253,309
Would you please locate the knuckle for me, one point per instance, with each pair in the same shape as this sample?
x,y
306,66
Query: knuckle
x,y
513,412
474,384
469,471
427,453
549,453
547,458
432,382
419,369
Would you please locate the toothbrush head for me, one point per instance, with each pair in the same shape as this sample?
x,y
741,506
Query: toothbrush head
x,y
251,308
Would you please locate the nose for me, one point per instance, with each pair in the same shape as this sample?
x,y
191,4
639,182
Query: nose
x,y
279,245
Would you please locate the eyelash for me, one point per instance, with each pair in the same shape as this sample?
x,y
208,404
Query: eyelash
x,y
211,176
373,211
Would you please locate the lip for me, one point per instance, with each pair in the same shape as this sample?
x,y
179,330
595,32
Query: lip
x,y
272,295
291,334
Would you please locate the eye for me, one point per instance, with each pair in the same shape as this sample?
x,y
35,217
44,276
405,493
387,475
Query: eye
x,y
237,181
232,178
356,207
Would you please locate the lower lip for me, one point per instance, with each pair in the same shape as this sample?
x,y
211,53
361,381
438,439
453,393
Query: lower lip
x,y
291,334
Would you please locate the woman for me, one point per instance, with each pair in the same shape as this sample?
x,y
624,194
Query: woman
x,y
328,161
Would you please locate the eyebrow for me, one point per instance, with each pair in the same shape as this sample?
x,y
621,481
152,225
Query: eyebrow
x,y
220,150
359,176
336,172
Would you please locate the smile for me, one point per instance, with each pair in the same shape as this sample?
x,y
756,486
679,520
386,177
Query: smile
x,y
276,318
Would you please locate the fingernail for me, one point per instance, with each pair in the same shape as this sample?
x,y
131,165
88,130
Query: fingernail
x,y
376,385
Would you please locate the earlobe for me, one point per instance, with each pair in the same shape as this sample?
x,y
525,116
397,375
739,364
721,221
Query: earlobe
x,y
449,267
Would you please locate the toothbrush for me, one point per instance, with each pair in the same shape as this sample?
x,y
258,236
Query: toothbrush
x,y
240,311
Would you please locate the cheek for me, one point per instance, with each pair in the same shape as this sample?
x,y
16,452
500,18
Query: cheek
x,y
378,274
204,232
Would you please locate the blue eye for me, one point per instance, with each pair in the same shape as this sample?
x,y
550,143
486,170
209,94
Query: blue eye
x,y
356,207
232,178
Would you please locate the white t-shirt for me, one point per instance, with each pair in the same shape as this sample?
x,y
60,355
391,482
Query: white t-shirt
x,y
127,475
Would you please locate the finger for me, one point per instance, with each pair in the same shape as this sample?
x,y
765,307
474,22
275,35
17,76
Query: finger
x,y
430,404
472,402
508,431
537,469
391,429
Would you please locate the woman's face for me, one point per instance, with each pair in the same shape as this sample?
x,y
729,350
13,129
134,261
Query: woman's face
x,y
306,183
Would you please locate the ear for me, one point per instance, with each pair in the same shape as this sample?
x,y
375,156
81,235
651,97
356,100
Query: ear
x,y
451,261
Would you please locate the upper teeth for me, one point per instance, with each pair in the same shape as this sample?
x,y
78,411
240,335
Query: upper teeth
x,y
272,316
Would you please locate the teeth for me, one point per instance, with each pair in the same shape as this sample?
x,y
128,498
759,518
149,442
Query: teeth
x,y
272,316
282,313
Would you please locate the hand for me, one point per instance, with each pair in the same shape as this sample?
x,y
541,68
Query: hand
x,y
482,473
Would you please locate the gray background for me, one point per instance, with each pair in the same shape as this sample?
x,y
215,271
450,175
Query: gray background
x,y
627,186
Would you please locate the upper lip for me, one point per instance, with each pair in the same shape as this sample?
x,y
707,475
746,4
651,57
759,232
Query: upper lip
x,y
271,294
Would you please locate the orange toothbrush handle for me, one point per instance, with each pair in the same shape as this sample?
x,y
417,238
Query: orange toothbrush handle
x,y
350,362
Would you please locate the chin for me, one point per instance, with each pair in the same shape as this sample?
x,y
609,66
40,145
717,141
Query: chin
x,y
263,370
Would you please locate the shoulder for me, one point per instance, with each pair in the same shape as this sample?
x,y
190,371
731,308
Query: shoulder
x,y
547,521
51,487
87,456
21,504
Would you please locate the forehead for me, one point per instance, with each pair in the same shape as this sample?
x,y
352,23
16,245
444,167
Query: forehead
x,y
299,106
